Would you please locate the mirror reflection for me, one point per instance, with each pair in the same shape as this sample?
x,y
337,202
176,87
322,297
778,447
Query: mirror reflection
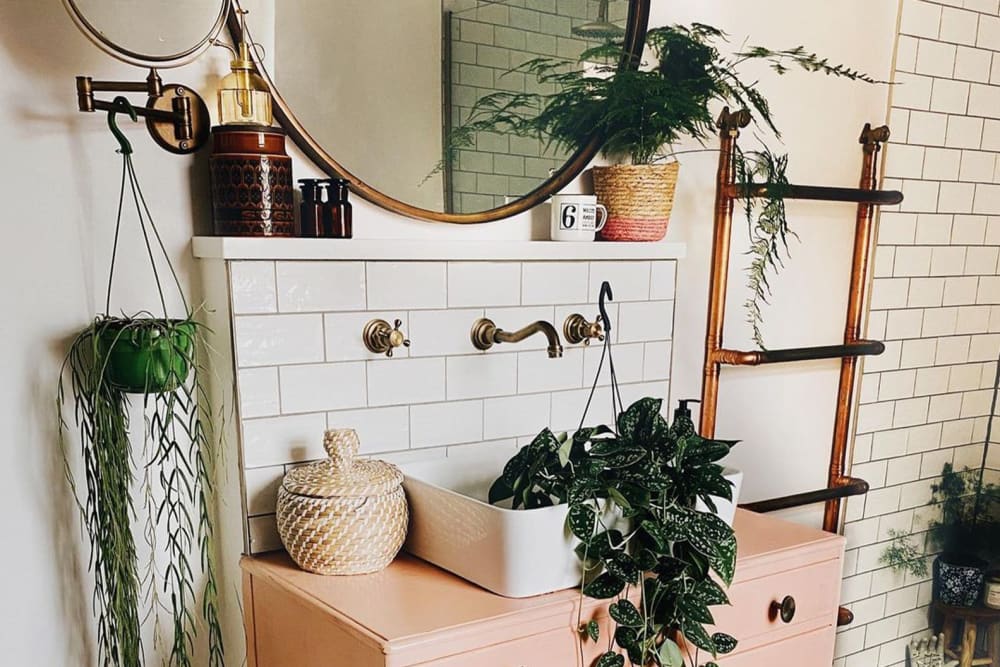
x,y
378,84
151,29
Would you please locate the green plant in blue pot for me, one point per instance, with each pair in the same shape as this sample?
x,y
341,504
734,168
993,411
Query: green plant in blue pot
x,y
118,365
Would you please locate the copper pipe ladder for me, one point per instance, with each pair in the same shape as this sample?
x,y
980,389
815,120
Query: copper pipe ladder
x,y
839,484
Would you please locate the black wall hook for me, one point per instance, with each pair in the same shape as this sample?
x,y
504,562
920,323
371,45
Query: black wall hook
x,y
605,294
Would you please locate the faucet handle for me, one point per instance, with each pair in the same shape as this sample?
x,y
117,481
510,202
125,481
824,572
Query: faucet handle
x,y
577,329
381,338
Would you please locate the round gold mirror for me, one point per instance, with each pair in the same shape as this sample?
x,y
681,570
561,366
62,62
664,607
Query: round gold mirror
x,y
150,33
370,89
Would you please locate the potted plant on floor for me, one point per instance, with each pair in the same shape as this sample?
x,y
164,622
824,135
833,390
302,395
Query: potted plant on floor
x,y
157,360
967,533
652,475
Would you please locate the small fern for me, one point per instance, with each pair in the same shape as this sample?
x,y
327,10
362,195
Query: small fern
x,y
903,556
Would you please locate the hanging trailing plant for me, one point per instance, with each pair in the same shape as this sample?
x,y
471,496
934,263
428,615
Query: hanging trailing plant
x,y
663,551
158,359
767,227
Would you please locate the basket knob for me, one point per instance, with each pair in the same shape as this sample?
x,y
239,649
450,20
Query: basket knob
x,y
341,444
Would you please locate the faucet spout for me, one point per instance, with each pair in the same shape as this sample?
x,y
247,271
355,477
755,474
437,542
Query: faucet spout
x,y
486,334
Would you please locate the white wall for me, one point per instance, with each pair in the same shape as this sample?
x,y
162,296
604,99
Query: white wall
x,y
60,173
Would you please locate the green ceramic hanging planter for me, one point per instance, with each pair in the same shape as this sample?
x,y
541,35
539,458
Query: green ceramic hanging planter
x,y
146,356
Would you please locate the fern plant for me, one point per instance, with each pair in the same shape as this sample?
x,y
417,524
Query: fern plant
x,y
902,556
161,360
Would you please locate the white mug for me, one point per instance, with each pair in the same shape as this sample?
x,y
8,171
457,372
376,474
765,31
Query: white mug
x,y
576,217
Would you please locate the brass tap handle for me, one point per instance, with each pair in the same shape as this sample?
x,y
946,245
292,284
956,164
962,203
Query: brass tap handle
x,y
381,338
577,329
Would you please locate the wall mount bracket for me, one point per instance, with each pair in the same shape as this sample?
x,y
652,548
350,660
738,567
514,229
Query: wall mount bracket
x,y
176,116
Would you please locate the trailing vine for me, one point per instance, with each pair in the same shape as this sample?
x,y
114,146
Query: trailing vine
x,y
767,226
161,360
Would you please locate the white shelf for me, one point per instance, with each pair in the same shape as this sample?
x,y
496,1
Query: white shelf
x,y
243,248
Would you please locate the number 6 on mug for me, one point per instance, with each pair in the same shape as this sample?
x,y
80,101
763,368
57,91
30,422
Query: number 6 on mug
x,y
576,217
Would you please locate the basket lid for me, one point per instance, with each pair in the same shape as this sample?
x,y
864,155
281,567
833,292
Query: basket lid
x,y
343,474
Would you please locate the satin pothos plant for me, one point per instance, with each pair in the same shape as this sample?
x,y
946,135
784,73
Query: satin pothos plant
x,y
661,550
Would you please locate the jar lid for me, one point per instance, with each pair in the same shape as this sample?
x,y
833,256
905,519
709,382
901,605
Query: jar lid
x,y
343,474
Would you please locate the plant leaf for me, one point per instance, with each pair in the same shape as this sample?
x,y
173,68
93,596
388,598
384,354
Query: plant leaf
x,y
603,587
610,659
724,643
625,613
670,654
593,630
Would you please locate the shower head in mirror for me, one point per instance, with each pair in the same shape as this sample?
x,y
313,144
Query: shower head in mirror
x,y
602,28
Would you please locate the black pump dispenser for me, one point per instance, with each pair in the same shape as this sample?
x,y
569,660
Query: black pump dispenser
x,y
683,424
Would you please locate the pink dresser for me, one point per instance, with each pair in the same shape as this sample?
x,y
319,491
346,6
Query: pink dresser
x,y
414,614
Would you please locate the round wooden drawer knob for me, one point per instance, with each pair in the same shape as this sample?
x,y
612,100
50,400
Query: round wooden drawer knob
x,y
784,609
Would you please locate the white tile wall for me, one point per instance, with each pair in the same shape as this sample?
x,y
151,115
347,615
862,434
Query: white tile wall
x,y
302,366
926,400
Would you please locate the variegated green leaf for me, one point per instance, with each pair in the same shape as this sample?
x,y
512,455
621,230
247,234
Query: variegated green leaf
x,y
593,630
610,659
724,643
581,520
604,587
625,613
723,561
696,634
670,654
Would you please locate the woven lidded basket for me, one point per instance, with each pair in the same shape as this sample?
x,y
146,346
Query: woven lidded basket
x,y
342,515
639,199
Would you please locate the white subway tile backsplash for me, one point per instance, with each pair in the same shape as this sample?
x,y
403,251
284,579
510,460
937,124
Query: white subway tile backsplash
x,y
964,132
253,290
926,129
321,387
264,534
972,64
344,334
406,285
555,283
657,359
933,229
446,423
948,261
280,440
968,230
662,282
925,292
629,365
982,261
513,416
896,228
643,321
258,392
931,381
536,372
977,166
261,485
956,197
960,291
917,353
435,333
989,33
399,381
920,19
959,26
477,376
630,281
379,429
939,322
948,96
903,323
270,340
936,59
912,261
987,199
484,284
320,286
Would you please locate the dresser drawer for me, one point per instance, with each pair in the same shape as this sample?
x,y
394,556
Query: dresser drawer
x,y
550,649
812,649
751,620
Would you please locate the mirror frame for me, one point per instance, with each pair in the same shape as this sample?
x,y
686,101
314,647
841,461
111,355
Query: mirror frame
x,y
140,59
635,36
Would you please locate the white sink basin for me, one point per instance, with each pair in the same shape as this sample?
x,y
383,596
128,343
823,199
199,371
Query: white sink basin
x,y
514,553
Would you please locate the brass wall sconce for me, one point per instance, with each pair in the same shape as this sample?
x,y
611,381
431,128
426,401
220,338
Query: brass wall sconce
x,y
176,116
381,338
577,329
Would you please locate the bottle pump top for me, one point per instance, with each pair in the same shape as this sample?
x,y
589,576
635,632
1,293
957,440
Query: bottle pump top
x,y
244,98
682,408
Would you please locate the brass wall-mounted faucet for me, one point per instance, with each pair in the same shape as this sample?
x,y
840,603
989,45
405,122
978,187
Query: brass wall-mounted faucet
x,y
485,334
577,329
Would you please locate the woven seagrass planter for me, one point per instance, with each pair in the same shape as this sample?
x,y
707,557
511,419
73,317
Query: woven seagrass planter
x,y
343,515
639,199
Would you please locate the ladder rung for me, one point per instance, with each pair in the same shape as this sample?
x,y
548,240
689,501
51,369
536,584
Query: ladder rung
x,y
849,486
821,193
756,357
